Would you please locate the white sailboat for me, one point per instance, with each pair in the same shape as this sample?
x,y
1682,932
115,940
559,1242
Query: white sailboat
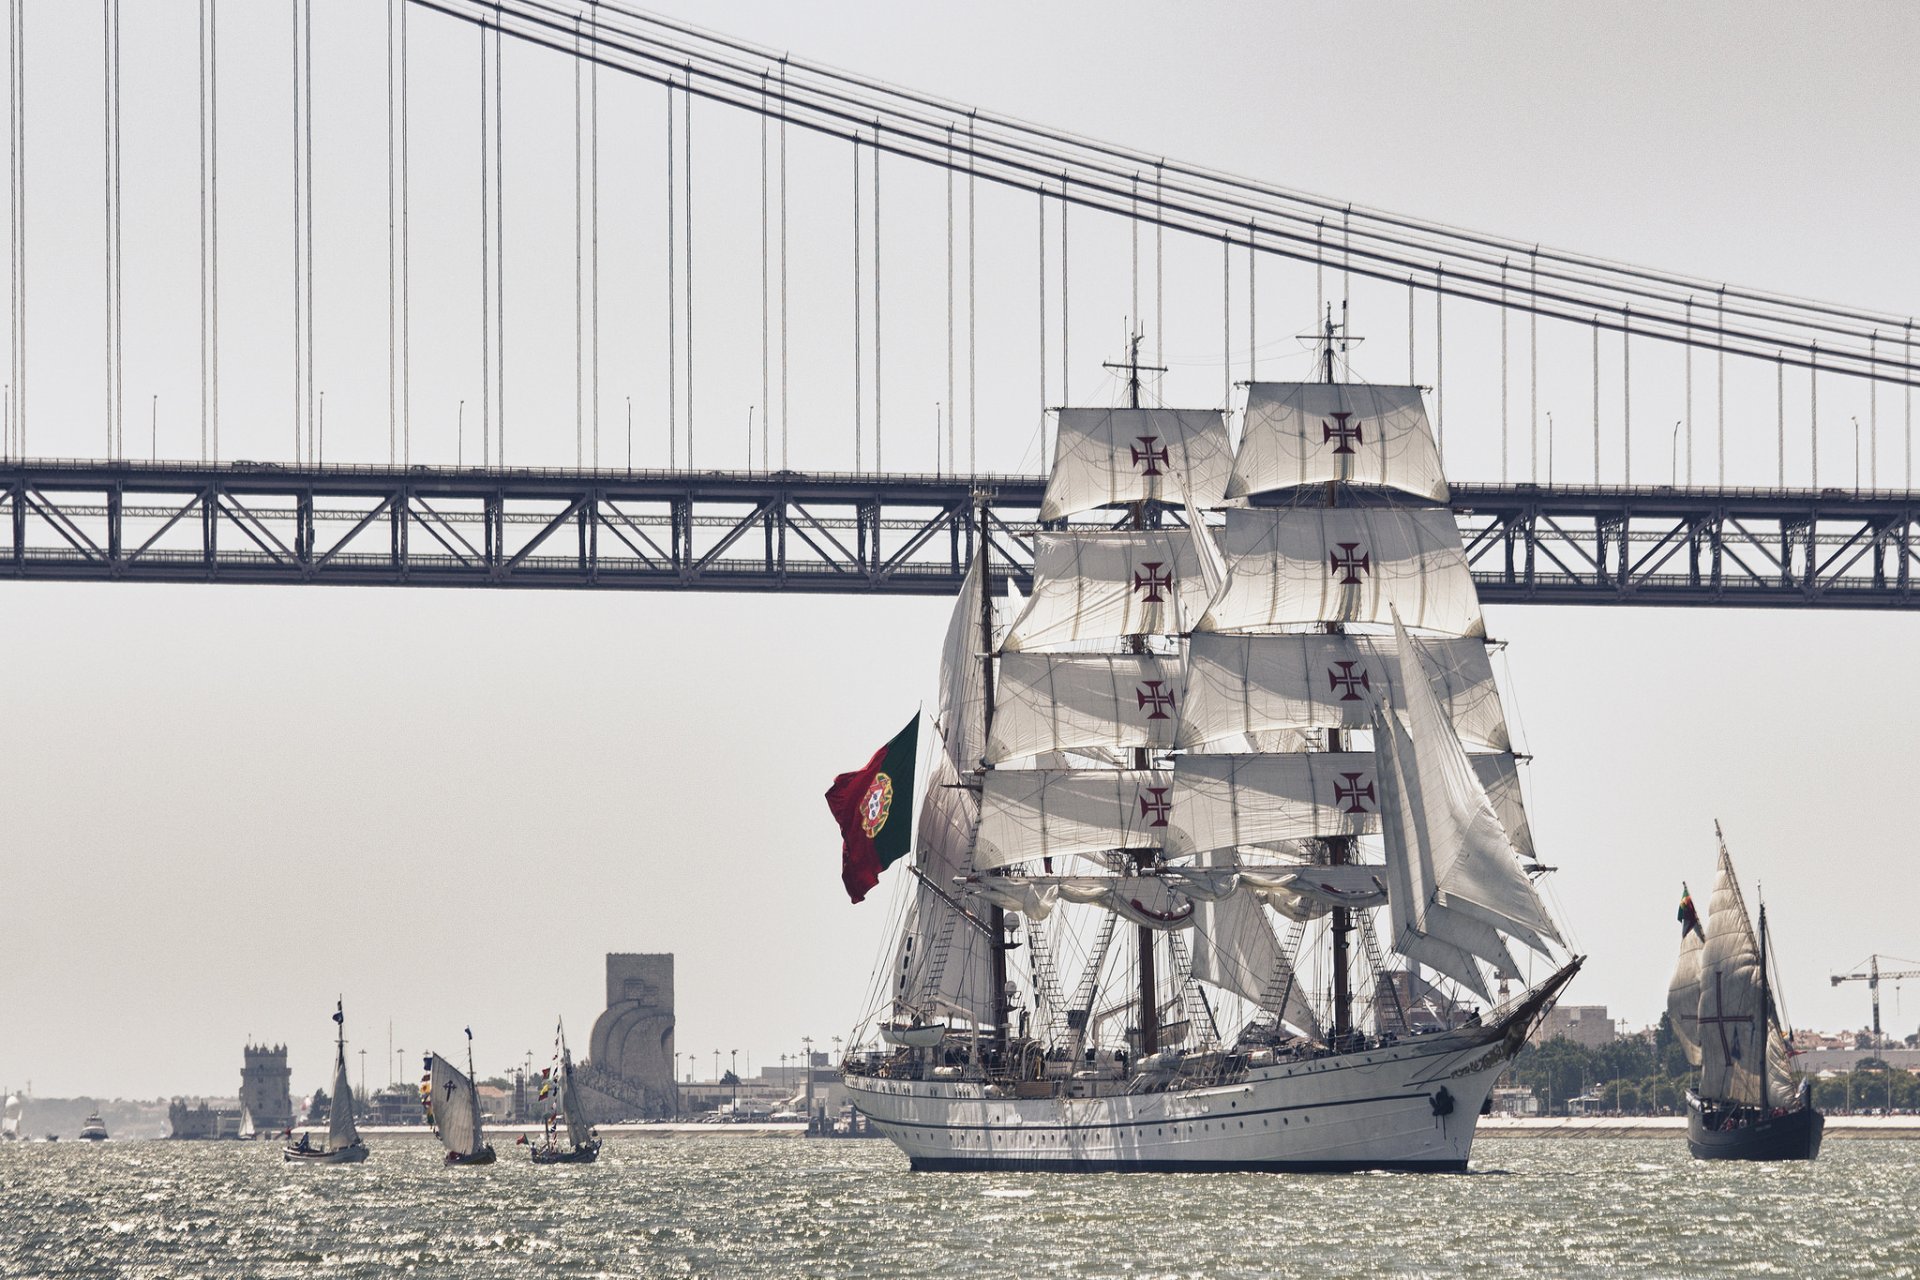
x,y
1193,768
10,1116
344,1144
569,1113
1747,1105
453,1109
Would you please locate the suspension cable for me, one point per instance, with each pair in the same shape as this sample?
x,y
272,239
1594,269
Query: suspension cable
x,y
766,327
673,305
879,328
579,375
686,191
486,267
857,397
593,230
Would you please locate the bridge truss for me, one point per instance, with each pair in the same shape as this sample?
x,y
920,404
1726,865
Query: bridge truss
x,y
91,521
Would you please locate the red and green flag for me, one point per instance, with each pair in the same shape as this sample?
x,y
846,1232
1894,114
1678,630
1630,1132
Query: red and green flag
x,y
1689,918
874,807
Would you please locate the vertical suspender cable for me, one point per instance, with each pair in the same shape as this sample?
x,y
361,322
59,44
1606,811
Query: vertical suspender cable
x,y
973,354
486,265
1319,276
673,304
686,212
297,277
1686,314
406,265
1226,323
1873,411
393,290
19,147
1440,362
951,407
766,298
1133,229
1159,274
1907,452
856,306
1720,394
879,327
1626,393
1813,412
1410,301
1596,399
201,50
1066,296
1533,360
579,337
307,99
213,220
1503,373
1041,222
119,261
1253,315
783,264
499,256
1780,411
106,155
593,226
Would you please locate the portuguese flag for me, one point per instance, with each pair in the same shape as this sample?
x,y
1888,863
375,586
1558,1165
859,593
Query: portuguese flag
x,y
1689,918
874,807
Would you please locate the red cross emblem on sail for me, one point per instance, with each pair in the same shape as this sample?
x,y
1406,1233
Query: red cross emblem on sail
x,y
1155,699
1353,793
1148,458
1349,562
1347,433
1730,1049
1153,582
1154,805
1345,680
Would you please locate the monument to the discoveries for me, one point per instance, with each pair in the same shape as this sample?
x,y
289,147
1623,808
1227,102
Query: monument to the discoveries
x,y
630,1062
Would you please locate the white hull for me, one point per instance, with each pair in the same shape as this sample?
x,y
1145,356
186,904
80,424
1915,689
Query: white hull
x,y
1411,1105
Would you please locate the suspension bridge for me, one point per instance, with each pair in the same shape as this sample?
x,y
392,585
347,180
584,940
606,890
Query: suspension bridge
x,y
440,212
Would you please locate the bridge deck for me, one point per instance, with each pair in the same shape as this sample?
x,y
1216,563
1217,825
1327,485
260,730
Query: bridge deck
x,y
897,534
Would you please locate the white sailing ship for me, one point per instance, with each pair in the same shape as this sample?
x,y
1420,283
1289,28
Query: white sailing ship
x,y
1175,790
453,1109
344,1144
1747,1105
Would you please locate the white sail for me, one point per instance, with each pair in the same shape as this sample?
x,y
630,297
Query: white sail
x,y
454,1111
10,1117
1289,567
573,1107
1499,777
1454,876
1234,948
1304,433
1739,1061
340,1127
962,709
1072,702
1242,686
960,981
1107,456
1102,586
1051,813
1683,996
1225,801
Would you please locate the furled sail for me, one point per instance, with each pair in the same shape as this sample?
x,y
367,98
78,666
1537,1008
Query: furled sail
x,y
453,1108
1309,892
1107,456
1241,686
1102,586
963,683
1224,801
1234,948
1072,702
341,1132
1303,433
1051,813
1293,566
1454,876
1739,1061
1683,996
941,964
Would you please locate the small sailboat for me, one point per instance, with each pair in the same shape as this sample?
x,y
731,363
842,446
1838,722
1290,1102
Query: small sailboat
x,y
343,1139
1747,1106
10,1119
582,1146
453,1108
94,1130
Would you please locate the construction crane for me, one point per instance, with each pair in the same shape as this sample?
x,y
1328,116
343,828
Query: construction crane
x,y
1872,978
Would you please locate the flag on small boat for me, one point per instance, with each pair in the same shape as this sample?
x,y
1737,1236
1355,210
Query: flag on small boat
x,y
874,807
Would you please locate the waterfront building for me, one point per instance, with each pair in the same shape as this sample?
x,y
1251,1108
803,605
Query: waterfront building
x,y
265,1093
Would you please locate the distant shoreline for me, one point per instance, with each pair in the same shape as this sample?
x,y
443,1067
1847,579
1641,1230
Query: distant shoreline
x,y
1673,1126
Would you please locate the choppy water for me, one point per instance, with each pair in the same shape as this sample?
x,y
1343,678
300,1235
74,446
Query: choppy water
x,y
768,1207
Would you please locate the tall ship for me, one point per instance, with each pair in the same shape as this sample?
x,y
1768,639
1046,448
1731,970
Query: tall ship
x,y
569,1112
1222,861
344,1144
1747,1105
453,1109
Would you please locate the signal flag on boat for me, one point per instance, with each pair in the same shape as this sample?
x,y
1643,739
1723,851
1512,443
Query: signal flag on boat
x,y
874,807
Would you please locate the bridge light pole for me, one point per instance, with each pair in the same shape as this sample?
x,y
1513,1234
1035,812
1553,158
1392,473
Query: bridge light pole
x,y
460,435
1673,458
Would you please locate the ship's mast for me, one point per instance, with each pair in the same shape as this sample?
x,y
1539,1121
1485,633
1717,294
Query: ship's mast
x,y
1339,848
996,915
1766,1010
1149,1019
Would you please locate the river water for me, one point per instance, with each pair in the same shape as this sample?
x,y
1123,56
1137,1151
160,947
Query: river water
x,y
773,1207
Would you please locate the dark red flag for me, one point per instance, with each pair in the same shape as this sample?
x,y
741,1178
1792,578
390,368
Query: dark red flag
x,y
874,807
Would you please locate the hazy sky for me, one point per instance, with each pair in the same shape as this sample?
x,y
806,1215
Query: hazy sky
x,y
226,805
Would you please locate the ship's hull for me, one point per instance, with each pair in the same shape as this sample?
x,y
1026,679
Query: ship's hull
x,y
1793,1136
1409,1105
483,1156
586,1153
339,1155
